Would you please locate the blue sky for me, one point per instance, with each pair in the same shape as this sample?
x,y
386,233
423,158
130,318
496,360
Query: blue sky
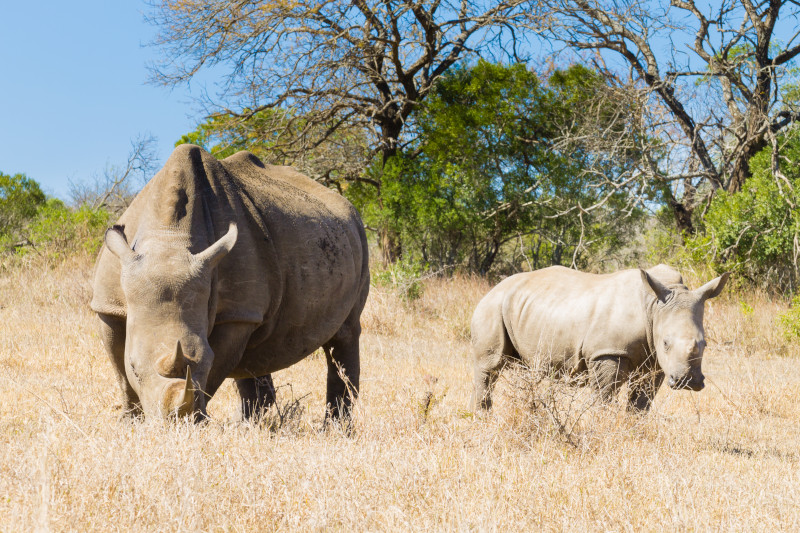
x,y
73,92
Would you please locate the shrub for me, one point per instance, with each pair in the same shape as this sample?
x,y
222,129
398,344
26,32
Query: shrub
x,y
20,199
404,276
754,233
58,230
790,321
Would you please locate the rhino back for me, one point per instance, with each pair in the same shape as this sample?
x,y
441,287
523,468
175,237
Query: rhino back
x,y
569,316
320,256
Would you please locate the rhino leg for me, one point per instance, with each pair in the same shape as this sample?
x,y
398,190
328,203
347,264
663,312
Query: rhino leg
x,y
607,373
112,331
642,392
258,395
486,371
491,350
228,342
344,369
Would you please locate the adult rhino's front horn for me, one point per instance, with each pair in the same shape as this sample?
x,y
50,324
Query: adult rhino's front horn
x,y
178,398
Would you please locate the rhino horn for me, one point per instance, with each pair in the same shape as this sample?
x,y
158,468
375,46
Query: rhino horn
x,y
214,253
178,398
172,364
185,403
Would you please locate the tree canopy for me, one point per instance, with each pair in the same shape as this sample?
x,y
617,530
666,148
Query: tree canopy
x,y
20,199
486,169
717,80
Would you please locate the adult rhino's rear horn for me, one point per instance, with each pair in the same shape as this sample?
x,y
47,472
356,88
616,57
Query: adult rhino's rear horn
x,y
172,364
212,255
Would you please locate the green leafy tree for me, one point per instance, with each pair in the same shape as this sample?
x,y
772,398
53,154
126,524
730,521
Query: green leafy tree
x,y
486,171
714,102
756,231
20,199
336,160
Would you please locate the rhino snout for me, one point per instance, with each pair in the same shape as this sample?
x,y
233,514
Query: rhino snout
x,y
691,380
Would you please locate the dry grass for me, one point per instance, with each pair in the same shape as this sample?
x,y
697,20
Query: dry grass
x,y
722,459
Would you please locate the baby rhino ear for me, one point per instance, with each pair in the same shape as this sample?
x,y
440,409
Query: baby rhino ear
x,y
118,244
654,285
713,287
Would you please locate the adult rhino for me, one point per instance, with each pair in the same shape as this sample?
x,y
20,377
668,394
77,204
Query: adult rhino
x,y
604,327
234,269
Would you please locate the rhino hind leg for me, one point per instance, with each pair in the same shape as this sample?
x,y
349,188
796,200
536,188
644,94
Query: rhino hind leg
x,y
257,396
608,373
342,356
112,331
491,351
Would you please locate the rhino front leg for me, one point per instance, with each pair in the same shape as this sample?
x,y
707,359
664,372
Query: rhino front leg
x,y
112,331
643,391
258,395
228,342
607,373
344,369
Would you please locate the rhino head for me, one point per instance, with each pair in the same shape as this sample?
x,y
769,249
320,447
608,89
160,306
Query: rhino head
x,y
678,335
168,294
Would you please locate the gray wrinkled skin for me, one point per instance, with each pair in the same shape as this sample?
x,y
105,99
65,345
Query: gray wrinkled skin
x,y
633,324
233,269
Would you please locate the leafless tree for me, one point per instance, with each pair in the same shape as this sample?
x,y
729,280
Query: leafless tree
x,y
117,186
714,77
333,64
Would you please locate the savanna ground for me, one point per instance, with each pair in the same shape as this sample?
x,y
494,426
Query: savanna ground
x,y
725,458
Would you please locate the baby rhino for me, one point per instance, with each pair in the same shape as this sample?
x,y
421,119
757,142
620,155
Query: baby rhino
x,y
642,325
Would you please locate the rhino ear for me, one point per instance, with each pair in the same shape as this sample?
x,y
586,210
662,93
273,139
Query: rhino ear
x,y
212,255
116,242
713,287
654,285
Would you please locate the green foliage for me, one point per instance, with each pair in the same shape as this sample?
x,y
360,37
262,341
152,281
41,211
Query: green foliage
x,y
404,276
20,198
484,173
755,232
790,321
223,135
33,223
58,230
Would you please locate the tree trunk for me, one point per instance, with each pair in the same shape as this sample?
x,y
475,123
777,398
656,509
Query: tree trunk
x,y
391,245
741,168
683,218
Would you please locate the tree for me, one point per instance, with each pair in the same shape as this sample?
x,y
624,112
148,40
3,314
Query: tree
x,y
490,166
360,65
755,232
116,188
716,97
335,162
20,199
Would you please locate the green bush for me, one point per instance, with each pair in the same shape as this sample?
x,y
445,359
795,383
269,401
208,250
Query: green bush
x,y
58,230
20,200
754,233
404,276
790,321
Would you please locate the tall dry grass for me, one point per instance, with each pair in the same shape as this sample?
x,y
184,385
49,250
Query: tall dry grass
x,y
722,459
